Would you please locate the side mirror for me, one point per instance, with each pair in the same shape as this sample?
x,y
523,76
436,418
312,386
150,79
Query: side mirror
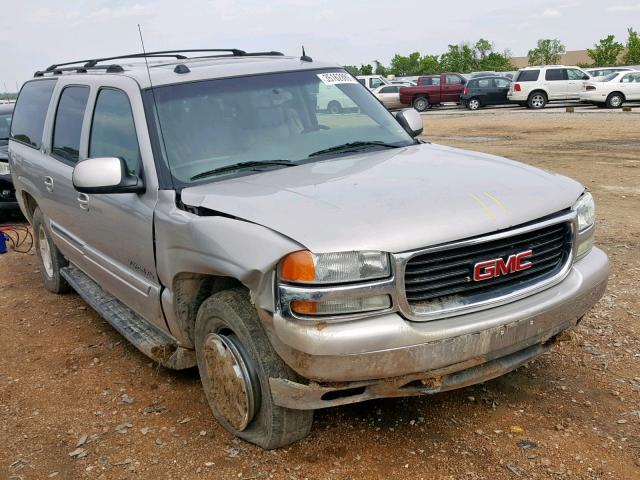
x,y
411,121
105,175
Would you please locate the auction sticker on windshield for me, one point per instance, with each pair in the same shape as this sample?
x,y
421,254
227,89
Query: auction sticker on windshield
x,y
336,78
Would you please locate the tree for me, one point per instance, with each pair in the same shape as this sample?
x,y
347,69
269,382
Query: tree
x,y
605,52
547,52
632,57
484,48
366,69
352,69
497,62
459,58
429,64
402,66
380,69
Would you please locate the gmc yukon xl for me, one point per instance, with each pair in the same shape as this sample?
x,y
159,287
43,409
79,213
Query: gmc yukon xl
x,y
301,259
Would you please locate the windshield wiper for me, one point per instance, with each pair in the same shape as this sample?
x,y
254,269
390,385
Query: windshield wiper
x,y
352,146
243,165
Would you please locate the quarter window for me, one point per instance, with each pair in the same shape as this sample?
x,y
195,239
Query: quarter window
x,y
68,124
113,132
575,74
502,83
31,111
528,76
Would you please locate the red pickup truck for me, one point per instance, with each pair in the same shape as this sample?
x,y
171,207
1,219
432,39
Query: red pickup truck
x,y
433,90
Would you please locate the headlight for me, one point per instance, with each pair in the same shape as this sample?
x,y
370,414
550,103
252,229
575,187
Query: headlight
x,y
342,267
586,211
4,168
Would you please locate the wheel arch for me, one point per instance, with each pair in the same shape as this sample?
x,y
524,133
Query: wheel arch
x,y
624,98
29,205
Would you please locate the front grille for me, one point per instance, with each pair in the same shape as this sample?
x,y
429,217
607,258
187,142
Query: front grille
x,y
446,276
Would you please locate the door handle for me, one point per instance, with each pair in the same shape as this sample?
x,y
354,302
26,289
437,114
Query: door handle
x,y
48,184
83,201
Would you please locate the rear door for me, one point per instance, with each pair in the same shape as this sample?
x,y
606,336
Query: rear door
x,y
630,86
117,229
575,82
452,88
555,82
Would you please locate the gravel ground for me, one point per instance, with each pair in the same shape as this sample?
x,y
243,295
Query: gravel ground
x,y
76,401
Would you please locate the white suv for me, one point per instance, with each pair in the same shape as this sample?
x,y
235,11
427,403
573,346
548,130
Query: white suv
x,y
533,87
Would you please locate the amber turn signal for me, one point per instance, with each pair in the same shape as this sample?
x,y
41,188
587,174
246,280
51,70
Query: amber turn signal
x,y
298,267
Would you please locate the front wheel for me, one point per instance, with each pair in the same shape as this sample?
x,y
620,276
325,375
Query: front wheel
x,y
334,107
473,104
615,100
537,100
236,360
421,104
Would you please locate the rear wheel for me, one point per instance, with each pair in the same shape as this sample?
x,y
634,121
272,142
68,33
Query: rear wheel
x,y
473,104
334,107
537,100
236,360
615,100
421,104
50,259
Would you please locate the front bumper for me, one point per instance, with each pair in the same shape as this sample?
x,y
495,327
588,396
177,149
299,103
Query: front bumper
x,y
397,350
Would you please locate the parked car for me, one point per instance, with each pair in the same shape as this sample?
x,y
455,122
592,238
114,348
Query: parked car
x,y
484,91
301,260
403,83
534,87
389,95
7,193
613,90
333,102
372,81
433,90
600,72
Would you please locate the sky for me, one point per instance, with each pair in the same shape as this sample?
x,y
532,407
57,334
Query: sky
x,y
37,33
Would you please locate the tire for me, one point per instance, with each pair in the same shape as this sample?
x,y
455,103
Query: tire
x,y
421,104
537,100
334,107
615,100
474,103
228,322
50,259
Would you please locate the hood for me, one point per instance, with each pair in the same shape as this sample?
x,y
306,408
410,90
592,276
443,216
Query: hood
x,y
391,200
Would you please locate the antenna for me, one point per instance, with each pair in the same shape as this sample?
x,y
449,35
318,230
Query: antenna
x,y
304,56
153,93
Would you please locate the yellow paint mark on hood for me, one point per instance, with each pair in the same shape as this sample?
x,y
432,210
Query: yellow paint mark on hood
x,y
496,201
484,206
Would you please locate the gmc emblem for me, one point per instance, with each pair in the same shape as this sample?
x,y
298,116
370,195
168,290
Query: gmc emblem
x,y
498,266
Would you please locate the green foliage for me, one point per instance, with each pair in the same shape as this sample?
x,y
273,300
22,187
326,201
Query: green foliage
x,y
605,52
352,69
484,48
547,52
402,66
632,57
380,69
366,69
459,58
429,64
496,62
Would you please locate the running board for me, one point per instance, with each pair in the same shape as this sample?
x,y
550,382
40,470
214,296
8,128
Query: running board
x,y
157,345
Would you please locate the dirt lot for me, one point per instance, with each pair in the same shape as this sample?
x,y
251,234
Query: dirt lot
x,y
66,377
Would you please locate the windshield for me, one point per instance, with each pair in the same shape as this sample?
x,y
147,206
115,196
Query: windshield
x,y
5,123
293,116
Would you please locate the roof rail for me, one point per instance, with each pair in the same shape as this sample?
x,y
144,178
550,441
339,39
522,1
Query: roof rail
x,y
178,54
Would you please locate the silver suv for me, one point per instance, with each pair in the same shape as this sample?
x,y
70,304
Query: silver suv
x,y
215,216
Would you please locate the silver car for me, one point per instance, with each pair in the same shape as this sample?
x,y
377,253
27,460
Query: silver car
x,y
216,217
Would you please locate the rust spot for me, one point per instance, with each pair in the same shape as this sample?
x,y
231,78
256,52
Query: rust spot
x,y
321,326
432,382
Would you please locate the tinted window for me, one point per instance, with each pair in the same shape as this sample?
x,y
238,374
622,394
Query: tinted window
x,y
31,111
454,80
430,81
528,75
68,124
389,90
113,132
554,74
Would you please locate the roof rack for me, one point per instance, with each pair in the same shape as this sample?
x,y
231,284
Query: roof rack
x,y
92,64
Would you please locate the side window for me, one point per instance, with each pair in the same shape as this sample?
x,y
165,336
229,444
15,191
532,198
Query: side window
x,y
454,80
484,83
555,74
31,112
376,82
631,78
68,124
575,74
113,132
386,90
502,83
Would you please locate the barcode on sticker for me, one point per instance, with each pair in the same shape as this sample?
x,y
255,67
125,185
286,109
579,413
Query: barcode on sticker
x,y
336,78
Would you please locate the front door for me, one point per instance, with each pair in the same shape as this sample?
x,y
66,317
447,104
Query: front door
x,y
117,229
499,91
630,86
390,96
